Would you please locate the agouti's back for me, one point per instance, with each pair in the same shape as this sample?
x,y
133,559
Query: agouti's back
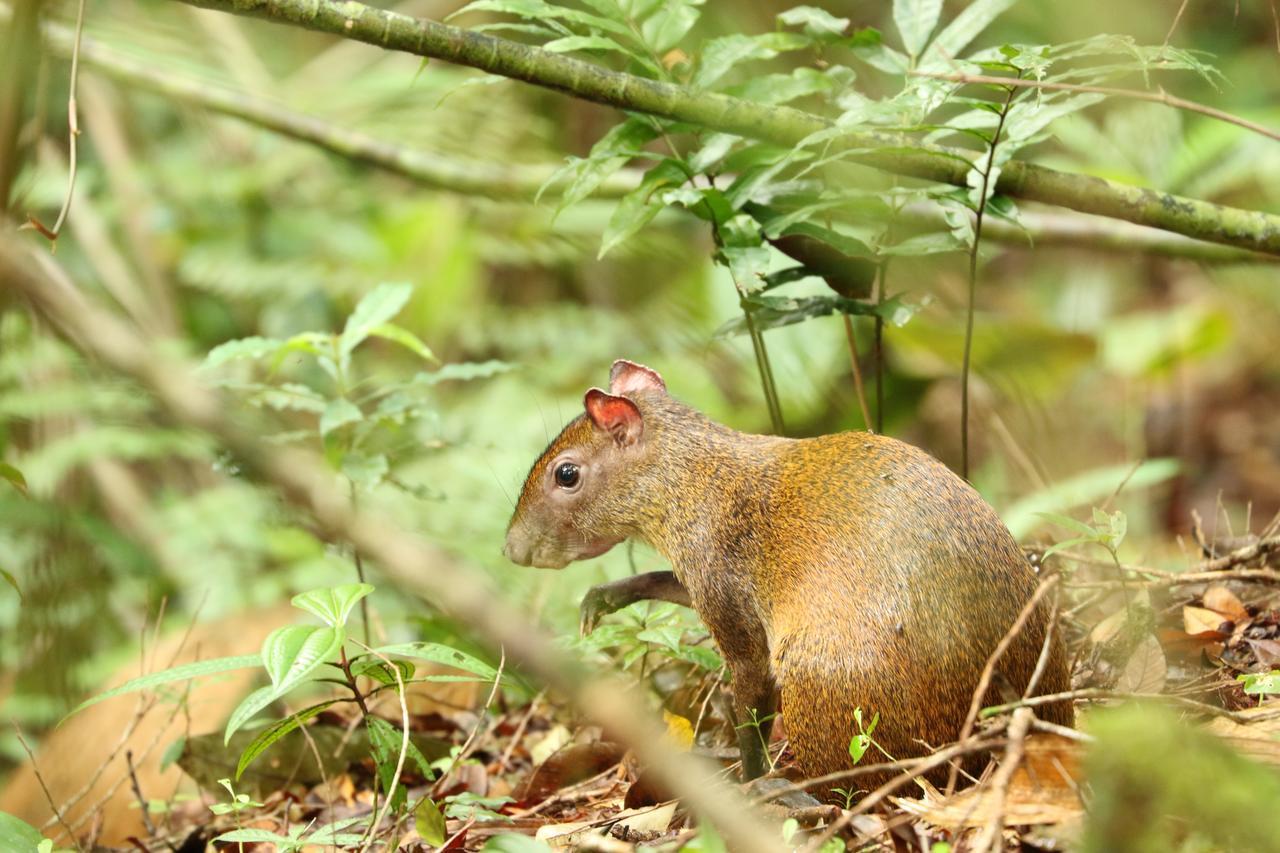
x,y
888,581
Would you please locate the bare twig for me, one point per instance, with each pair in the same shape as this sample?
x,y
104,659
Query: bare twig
x,y
1098,693
518,734
35,768
988,671
404,748
137,792
73,132
1159,97
990,839
466,745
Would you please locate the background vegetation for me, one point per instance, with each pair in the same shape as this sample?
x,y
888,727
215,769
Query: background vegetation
x,y
1109,366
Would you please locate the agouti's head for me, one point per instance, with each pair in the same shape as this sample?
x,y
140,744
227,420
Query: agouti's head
x,y
569,506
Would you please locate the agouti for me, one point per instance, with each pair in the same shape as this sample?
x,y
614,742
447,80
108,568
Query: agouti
x,y
851,570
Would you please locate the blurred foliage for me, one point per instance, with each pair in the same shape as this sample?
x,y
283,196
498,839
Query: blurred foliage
x,y
206,230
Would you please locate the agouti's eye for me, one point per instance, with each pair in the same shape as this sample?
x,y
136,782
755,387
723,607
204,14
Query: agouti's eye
x,y
566,475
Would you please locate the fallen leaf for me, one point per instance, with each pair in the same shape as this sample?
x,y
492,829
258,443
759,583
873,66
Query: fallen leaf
x,y
679,728
1106,630
655,819
568,766
1258,739
1266,651
1224,601
1146,668
1203,623
549,743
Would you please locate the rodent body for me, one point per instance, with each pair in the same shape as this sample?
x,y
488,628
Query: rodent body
x,y
851,570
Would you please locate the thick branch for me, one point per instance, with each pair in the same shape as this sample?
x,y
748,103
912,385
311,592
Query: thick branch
x,y
780,125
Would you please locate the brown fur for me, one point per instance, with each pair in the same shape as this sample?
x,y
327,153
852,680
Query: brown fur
x,y
854,570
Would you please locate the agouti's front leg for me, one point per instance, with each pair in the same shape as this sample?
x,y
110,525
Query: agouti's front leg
x,y
604,599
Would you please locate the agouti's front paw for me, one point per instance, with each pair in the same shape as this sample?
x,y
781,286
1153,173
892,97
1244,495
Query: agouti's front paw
x,y
596,604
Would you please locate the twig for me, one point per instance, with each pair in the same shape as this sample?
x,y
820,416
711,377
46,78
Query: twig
x,y
1160,97
990,838
1042,662
137,792
518,734
466,745
73,131
1098,693
988,671
857,370
35,768
1061,731
404,747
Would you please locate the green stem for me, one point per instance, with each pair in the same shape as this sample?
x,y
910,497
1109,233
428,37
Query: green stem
x,y
973,285
766,373
780,125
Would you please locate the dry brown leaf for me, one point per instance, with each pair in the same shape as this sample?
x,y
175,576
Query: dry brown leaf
x,y
649,820
1266,651
1224,601
1106,630
1043,790
1258,739
1146,668
1202,622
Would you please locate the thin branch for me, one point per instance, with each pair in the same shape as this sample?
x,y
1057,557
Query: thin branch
x,y
57,813
1018,727
857,371
1097,693
1158,97
785,126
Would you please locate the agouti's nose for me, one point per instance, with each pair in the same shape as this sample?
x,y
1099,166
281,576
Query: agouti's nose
x,y
516,551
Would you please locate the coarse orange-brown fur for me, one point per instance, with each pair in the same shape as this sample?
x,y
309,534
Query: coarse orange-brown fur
x,y
852,570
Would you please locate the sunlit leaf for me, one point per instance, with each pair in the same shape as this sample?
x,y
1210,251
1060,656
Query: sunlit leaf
x,y
915,20
247,710
185,672
379,306
404,338
439,653
334,604
338,413
290,654
274,732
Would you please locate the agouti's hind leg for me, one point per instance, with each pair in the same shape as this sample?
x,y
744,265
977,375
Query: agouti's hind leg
x,y
754,703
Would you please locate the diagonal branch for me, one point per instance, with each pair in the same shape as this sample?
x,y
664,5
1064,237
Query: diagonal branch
x,y
780,125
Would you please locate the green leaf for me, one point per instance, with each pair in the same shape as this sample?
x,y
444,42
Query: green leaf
x,y
669,23
374,668
365,470
463,371
243,348
385,742
258,836
338,413
858,747
404,338
172,753
568,44
247,710
511,842
186,672
275,731
614,150
1258,683
429,821
334,604
12,581
915,20
14,476
377,307
816,23
966,26
1070,524
1087,487
638,207
17,835
440,653
783,88
720,56
290,654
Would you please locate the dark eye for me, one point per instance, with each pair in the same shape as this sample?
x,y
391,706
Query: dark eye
x,y
566,475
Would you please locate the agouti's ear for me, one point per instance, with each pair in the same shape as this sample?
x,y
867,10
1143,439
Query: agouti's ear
x,y
616,415
628,377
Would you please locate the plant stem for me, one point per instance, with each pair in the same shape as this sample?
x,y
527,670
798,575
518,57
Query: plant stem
x,y
857,370
766,373
780,125
973,285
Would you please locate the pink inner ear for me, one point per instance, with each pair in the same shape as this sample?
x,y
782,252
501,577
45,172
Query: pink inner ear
x,y
615,415
627,377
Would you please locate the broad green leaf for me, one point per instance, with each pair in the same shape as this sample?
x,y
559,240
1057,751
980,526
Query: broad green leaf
x,y
463,371
14,476
569,44
288,396
250,348
783,88
439,653
915,20
1028,117
748,265
379,306
247,710
1088,487
365,470
638,207
1258,683
186,672
1069,523
332,834
290,654
614,150
257,836
816,23
966,26
429,821
536,10
334,604
512,842
385,743
669,23
338,413
274,732
17,835
719,56
404,338
374,668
